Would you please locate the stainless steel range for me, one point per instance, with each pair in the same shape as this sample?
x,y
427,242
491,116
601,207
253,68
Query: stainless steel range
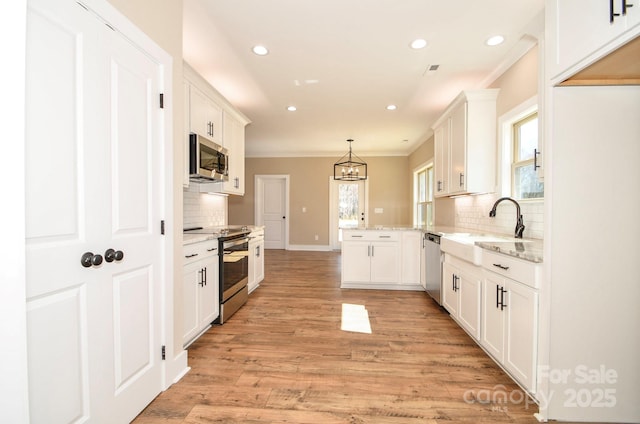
x,y
233,253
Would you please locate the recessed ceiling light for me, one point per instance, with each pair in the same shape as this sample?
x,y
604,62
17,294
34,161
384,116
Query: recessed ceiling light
x,y
495,40
260,50
418,43
392,107
292,108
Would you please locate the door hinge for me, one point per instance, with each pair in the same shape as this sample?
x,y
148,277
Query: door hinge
x,y
164,352
161,100
162,227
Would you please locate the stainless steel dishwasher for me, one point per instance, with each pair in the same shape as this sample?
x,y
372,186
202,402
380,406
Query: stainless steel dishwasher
x,y
433,266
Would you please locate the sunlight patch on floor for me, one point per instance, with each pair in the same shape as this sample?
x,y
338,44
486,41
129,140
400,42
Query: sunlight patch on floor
x,y
355,318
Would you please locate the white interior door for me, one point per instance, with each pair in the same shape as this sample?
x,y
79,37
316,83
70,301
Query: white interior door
x,y
92,171
272,209
347,207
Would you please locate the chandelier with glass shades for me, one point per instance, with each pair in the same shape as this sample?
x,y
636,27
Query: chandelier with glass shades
x,y
350,167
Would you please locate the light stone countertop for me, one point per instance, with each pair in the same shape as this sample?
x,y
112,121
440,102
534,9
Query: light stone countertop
x,y
197,238
530,251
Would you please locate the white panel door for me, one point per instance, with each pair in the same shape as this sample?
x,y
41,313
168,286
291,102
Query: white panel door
x,y
92,160
272,204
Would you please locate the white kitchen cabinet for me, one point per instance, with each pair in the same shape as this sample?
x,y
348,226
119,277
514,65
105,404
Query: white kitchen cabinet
x,y
441,163
200,288
510,319
423,262
579,33
371,259
465,144
205,115
212,116
233,141
256,259
412,255
461,294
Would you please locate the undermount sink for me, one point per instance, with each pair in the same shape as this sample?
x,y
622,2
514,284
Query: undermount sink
x,y
463,245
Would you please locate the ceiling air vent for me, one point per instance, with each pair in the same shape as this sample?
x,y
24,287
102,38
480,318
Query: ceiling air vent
x,y
431,69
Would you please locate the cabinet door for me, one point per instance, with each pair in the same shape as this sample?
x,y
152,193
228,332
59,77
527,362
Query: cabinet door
x,y
208,294
584,27
492,317
411,257
259,269
449,292
441,166
469,288
191,277
205,117
356,262
233,141
385,262
458,143
521,333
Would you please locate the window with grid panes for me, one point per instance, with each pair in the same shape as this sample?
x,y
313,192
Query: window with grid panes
x,y
525,182
424,196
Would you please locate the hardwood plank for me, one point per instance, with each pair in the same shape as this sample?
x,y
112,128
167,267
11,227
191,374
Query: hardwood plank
x,y
282,358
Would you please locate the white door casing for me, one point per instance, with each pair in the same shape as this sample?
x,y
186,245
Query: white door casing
x,y
272,209
93,182
363,206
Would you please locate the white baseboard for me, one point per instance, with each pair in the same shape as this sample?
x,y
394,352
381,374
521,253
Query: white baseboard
x,y
175,369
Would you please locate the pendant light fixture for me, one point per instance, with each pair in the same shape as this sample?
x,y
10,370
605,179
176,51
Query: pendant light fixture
x,y
348,169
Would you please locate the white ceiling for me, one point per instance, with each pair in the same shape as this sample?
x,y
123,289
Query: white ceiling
x,y
341,62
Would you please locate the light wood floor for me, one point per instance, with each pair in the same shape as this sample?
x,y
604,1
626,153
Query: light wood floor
x,y
284,359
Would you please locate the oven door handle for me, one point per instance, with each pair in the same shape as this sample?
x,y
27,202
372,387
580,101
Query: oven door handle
x,y
235,242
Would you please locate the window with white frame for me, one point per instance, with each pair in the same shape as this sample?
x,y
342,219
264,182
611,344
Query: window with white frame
x,y
525,183
423,196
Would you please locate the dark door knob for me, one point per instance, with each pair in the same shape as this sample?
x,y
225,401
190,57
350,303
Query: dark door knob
x,y
88,260
113,255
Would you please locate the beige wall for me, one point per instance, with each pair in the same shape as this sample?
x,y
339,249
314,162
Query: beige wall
x,y
161,20
518,83
309,187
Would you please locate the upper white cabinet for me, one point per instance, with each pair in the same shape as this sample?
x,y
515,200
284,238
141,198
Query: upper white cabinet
x,y
465,144
579,32
205,116
233,141
210,115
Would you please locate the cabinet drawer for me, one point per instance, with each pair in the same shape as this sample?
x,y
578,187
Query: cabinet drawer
x,y
367,235
525,272
196,251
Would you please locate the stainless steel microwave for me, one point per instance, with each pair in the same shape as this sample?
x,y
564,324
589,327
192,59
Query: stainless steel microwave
x,y
208,161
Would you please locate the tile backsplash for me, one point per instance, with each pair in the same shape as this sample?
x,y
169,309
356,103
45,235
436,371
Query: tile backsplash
x,y
472,212
204,209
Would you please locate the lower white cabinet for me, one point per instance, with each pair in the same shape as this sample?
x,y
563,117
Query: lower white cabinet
x,y
370,259
412,255
256,259
510,326
461,293
200,288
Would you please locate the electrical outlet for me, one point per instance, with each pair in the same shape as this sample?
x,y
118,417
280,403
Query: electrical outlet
x,y
316,237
